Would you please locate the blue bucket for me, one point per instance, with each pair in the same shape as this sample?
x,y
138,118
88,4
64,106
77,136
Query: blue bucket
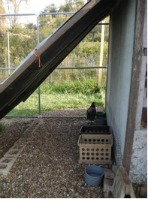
x,y
93,175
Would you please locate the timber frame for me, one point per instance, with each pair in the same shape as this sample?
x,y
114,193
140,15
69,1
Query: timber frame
x,y
133,98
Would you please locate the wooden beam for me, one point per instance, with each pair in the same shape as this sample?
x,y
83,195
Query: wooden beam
x,y
136,65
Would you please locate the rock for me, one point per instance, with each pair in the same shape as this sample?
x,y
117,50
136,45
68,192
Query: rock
x,y
48,165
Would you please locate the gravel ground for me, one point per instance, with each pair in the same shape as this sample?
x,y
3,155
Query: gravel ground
x,y
48,166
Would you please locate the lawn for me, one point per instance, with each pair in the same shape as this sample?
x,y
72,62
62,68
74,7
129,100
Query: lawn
x,y
61,96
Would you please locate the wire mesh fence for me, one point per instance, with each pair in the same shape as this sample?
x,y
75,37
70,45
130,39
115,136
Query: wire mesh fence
x,y
75,78
64,88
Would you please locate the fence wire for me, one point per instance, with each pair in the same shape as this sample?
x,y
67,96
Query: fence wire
x,y
77,68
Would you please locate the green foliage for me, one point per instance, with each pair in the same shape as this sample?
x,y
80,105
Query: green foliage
x,y
57,96
2,33
2,49
86,87
56,101
24,36
71,5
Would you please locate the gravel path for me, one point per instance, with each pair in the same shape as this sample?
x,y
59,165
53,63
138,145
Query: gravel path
x,y
48,166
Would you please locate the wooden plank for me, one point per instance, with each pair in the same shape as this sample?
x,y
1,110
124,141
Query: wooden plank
x,y
120,187
136,65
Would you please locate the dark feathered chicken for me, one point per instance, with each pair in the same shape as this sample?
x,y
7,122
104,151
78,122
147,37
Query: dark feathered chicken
x,y
91,112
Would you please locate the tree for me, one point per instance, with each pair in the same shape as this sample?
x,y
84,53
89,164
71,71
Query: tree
x,y
2,18
2,34
14,7
71,5
22,41
51,8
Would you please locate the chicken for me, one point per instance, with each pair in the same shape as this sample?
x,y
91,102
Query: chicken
x,y
91,112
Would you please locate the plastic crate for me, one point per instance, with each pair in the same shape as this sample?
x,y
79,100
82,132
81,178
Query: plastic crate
x,y
101,114
100,118
95,149
100,121
95,129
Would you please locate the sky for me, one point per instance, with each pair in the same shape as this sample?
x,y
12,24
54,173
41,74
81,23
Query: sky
x,y
32,7
36,6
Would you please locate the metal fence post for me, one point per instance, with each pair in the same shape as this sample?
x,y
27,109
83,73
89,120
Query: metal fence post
x,y
38,41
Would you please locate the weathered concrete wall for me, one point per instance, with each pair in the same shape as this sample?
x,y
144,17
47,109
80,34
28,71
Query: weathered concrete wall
x,y
138,167
119,73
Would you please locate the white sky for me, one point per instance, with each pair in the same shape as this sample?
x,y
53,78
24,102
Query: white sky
x,y
33,6
36,6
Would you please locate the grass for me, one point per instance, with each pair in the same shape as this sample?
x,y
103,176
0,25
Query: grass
x,y
87,86
56,96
